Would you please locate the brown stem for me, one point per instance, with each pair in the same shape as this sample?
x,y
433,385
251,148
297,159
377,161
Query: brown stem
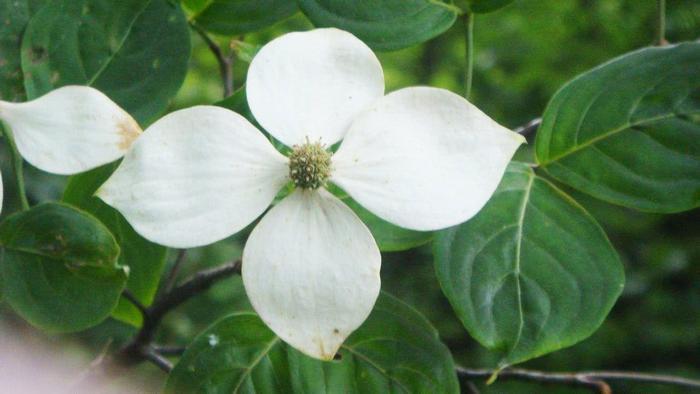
x,y
158,359
172,276
225,62
529,129
141,345
593,380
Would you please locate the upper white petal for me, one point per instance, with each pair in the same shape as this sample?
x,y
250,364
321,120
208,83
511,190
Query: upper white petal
x,y
196,176
312,84
69,130
311,271
423,158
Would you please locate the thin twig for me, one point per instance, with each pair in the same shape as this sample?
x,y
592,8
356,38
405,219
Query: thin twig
x,y
530,128
468,20
594,380
169,350
132,299
136,350
225,62
157,359
661,23
172,276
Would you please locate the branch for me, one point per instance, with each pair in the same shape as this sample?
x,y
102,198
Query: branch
x,y
530,128
169,350
468,20
140,347
134,301
225,62
172,276
593,380
157,359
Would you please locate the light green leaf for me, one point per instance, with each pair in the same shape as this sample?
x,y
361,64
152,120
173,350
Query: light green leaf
x,y
195,6
483,6
231,17
531,273
395,350
383,24
628,131
389,237
134,51
59,267
144,259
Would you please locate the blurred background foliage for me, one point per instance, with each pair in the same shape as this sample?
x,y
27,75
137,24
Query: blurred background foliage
x,y
524,53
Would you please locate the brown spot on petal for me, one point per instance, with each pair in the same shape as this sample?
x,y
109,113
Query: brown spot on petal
x,y
128,130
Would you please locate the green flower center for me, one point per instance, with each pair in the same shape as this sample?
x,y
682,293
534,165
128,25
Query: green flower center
x,y
309,165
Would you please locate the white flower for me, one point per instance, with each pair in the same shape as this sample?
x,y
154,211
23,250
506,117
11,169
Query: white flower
x,y
421,158
69,130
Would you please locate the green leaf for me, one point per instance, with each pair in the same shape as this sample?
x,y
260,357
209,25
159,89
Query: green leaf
x,y
144,259
389,237
531,273
383,24
231,17
14,15
628,131
484,6
238,103
395,350
134,51
59,267
195,6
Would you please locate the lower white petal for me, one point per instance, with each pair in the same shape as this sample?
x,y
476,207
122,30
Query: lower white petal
x,y
423,158
311,271
196,176
69,130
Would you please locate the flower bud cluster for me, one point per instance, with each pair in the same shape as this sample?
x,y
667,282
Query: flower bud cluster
x,y
309,165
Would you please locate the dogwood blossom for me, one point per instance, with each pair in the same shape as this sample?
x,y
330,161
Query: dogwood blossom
x,y
421,158
69,130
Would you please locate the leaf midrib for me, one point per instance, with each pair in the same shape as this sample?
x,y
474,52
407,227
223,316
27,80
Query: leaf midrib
x,y
109,60
375,366
626,126
516,270
255,363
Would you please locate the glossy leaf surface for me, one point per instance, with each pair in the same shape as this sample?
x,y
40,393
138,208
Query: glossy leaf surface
x,y
531,273
628,131
59,267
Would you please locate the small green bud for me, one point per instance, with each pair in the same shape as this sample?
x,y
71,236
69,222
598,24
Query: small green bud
x,y
309,165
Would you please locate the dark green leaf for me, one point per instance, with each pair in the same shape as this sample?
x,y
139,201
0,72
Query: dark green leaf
x,y
383,24
14,15
628,132
395,350
144,259
390,238
59,267
531,273
231,17
483,6
134,51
